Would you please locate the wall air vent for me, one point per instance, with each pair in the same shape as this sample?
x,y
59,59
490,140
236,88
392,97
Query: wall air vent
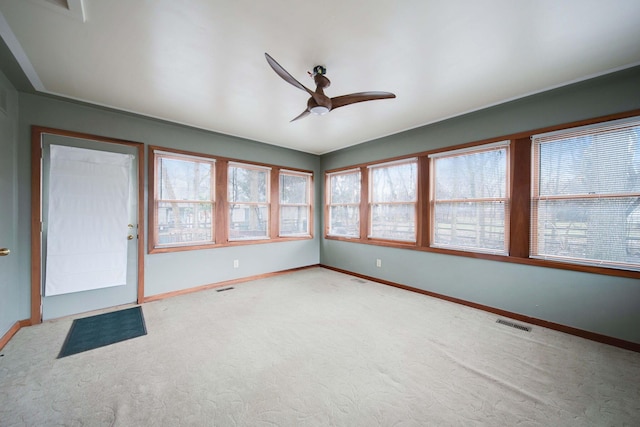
x,y
514,325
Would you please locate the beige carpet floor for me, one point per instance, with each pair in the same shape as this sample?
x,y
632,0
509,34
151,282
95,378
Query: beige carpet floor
x,y
318,348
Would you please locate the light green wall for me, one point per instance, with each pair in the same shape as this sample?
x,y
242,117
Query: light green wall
x,y
10,286
171,271
598,303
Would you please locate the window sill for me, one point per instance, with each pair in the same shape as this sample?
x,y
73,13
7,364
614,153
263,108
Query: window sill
x,y
501,258
227,244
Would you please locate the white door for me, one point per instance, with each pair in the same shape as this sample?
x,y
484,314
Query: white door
x,y
89,281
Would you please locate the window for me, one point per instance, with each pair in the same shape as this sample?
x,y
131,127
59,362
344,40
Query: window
x,y
586,195
200,202
248,198
567,197
343,192
184,200
295,206
392,200
469,199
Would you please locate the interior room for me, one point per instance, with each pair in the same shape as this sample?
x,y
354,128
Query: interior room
x,y
474,197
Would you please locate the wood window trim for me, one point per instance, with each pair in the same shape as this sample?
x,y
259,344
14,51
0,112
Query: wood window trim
x,y
518,189
423,216
221,205
274,202
520,212
365,208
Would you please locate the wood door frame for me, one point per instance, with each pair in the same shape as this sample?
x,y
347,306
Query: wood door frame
x,y
36,210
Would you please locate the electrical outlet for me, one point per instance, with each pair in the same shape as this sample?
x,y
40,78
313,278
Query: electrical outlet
x,y
378,262
236,263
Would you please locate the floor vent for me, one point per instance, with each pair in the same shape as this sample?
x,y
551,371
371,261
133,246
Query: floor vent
x,y
514,325
224,289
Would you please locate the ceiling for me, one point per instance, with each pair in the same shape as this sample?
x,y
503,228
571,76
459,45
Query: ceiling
x,y
201,62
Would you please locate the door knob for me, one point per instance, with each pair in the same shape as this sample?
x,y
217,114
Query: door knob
x,y
129,237
4,251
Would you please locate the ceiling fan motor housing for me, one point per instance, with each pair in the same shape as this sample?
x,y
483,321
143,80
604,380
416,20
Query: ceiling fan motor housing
x,y
319,69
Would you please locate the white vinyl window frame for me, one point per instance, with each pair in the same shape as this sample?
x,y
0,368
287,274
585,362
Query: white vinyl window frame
x,y
470,237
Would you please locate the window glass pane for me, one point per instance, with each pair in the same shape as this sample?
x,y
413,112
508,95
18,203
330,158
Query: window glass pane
x,y
180,223
248,185
471,176
602,163
184,180
590,229
294,189
344,220
477,226
294,220
394,183
345,188
248,221
393,221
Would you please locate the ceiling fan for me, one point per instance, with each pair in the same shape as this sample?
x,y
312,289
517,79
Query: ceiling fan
x,y
319,103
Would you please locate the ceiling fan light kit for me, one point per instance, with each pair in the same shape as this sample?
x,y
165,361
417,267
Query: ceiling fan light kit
x,y
319,110
319,103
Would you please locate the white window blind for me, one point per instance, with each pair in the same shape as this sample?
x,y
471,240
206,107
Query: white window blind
x,y
248,196
470,199
586,195
343,196
393,193
473,149
295,204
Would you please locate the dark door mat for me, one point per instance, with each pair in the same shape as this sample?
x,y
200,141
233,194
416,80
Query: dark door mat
x,y
103,329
